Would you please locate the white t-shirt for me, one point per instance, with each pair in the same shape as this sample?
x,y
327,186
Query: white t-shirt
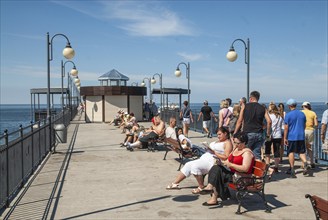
x,y
276,126
170,133
182,137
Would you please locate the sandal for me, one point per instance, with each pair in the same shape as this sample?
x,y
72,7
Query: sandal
x,y
197,191
173,186
206,191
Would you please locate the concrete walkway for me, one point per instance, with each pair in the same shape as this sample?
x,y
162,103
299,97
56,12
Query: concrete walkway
x,y
92,177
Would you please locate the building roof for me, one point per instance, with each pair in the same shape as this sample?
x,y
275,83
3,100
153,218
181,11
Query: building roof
x,y
113,75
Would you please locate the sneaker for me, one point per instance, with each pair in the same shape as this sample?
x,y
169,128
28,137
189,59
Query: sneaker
x,y
306,169
312,165
210,136
292,173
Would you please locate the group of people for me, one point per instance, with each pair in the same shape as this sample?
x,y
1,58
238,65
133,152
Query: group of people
x,y
243,131
149,110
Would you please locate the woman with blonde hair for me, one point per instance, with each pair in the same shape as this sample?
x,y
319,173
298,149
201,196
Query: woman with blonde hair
x,y
275,139
224,114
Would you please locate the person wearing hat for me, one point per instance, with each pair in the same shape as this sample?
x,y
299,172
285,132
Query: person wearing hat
x,y
207,113
294,136
311,124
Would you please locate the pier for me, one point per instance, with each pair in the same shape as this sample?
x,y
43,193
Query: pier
x,y
92,177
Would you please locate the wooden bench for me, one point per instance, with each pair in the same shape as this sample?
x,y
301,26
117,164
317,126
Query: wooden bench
x,y
175,146
320,206
253,184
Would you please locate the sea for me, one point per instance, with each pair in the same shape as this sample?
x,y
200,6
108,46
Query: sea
x,y
14,115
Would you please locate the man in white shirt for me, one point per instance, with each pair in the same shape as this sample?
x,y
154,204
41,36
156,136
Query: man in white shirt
x,y
170,131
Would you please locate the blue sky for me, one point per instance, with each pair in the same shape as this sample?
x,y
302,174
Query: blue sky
x,y
288,51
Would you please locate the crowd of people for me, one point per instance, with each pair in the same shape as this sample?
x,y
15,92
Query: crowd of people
x,y
246,131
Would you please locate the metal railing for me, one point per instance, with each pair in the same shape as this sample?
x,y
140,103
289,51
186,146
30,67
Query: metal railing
x,y
198,126
23,150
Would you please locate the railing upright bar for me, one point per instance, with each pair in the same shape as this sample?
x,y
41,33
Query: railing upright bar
x,y
7,167
32,146
22,153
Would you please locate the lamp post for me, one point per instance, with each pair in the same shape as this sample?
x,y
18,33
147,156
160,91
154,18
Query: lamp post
x,y
153,81
232,56
149,83
74,72
68,53
178,74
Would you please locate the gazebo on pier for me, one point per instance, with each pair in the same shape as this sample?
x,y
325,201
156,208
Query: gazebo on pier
x,y
113,78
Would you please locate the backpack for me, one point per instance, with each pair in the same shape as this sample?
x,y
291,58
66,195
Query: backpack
x,y
232,123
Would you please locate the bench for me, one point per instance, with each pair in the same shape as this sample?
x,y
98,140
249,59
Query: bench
x,y
175,146
320,206
253,184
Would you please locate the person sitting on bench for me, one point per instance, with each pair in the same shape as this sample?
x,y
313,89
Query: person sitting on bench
x,y
217,150
184,141
155,131
239,163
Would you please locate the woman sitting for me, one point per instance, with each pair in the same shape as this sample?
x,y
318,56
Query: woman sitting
x,y
217,150
184,141
239,163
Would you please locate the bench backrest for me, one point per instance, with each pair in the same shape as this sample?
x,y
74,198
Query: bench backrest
x,y
259,169
320,206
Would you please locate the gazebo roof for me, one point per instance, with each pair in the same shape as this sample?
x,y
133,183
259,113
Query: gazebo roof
x,y
113,75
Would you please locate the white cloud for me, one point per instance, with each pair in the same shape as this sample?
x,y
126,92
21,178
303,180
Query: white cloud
x,y
146,19
138,18
191,57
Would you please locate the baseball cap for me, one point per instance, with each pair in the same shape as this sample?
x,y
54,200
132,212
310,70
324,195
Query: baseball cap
x,y
306,103
291,102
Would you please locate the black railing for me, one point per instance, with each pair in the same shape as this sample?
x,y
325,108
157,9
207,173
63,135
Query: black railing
x,y
23,150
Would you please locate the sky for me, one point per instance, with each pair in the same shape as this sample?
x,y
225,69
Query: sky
x,y
288,46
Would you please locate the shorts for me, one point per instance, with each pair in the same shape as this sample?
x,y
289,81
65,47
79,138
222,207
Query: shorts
x,y
296,147
309,137
186,121
276,147
206,124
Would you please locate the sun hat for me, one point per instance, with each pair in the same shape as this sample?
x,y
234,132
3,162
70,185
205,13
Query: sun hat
x,y
291,102
306,103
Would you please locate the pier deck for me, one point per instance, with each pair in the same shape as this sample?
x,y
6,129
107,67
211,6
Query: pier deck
x,y
92,177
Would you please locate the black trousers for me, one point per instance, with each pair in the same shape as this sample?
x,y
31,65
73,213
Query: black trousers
x,y
144,140
219,177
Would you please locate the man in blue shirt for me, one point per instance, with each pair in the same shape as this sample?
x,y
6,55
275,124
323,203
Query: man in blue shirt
x,y
294,136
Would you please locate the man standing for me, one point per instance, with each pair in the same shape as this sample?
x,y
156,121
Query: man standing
x,y
230,107
311,124
242,102
207,113
252,117
294,136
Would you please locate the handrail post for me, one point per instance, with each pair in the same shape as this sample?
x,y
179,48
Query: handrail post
x,y
7,167
32,146
22,153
